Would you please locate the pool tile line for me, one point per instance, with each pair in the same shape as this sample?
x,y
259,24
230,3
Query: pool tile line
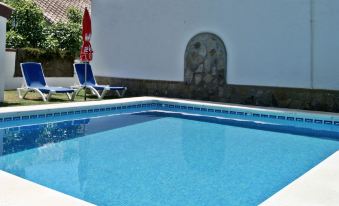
x,y
257,115
156,104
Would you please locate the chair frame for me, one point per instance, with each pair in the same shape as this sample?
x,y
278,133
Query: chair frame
x,y
25,89
94,91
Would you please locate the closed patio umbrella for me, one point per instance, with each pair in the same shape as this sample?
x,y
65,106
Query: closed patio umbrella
x,y
86,52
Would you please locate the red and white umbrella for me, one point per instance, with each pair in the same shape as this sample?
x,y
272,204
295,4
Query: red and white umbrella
x,y
86,52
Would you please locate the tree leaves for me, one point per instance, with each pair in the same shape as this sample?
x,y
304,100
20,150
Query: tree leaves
x,y
28,28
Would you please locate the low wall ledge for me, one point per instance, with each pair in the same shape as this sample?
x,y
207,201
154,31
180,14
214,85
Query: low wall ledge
x,y
10,50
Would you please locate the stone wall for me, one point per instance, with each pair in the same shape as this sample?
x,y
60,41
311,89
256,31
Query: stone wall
x,y
205,79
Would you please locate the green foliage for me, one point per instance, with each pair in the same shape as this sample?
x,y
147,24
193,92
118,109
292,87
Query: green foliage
x,y
74,15
28,28
64,36
27,21
14,40
44,54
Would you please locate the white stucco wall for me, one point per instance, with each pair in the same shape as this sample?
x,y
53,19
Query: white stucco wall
x,y
269,42
2,55
8,73
326,44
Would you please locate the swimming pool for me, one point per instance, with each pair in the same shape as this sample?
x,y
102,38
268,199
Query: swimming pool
x,y
166,153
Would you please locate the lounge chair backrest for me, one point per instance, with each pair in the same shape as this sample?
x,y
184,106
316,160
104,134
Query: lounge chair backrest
x,y
80,70
33,74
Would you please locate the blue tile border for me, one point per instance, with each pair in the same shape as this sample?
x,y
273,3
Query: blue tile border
x,y
318,121
40,116
290,118
328,122
257,115
264,115
164,106
7,119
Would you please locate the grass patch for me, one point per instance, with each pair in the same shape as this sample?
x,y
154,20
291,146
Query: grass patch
x,y
12,99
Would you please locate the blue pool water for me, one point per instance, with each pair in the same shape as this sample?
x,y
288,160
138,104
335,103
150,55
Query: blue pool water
x,y
161,159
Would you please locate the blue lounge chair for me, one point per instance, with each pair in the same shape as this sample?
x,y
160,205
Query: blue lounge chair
x,y
34,81
92,84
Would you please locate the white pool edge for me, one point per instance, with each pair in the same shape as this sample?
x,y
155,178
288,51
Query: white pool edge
x,y
319,185
18,109
16,191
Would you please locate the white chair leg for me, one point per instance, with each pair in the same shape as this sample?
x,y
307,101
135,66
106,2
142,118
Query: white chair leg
x,y
121,94
20,90
69,96
49,96
95,92
118,93
41,94
77,91
104,92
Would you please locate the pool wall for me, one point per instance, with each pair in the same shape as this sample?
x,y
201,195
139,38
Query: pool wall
x,y
328,121
14,116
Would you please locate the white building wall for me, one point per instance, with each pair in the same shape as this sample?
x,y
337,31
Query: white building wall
x,y
2,55
9,69
326,44
268,41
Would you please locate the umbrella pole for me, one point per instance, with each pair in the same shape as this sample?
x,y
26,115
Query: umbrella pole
x,y
86,81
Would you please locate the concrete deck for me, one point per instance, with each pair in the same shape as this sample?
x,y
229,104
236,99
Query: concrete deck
x,y
15,191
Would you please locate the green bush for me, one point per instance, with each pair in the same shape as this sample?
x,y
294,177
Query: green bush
x,y
74,15
45,54
28,28
27,21
14,40
64,36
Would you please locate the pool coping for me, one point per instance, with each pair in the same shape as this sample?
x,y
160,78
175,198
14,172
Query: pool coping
x,y
313,186
54,110
16,109
318,186
16,191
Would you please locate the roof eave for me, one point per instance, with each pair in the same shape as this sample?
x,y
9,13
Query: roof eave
x,y
5,10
